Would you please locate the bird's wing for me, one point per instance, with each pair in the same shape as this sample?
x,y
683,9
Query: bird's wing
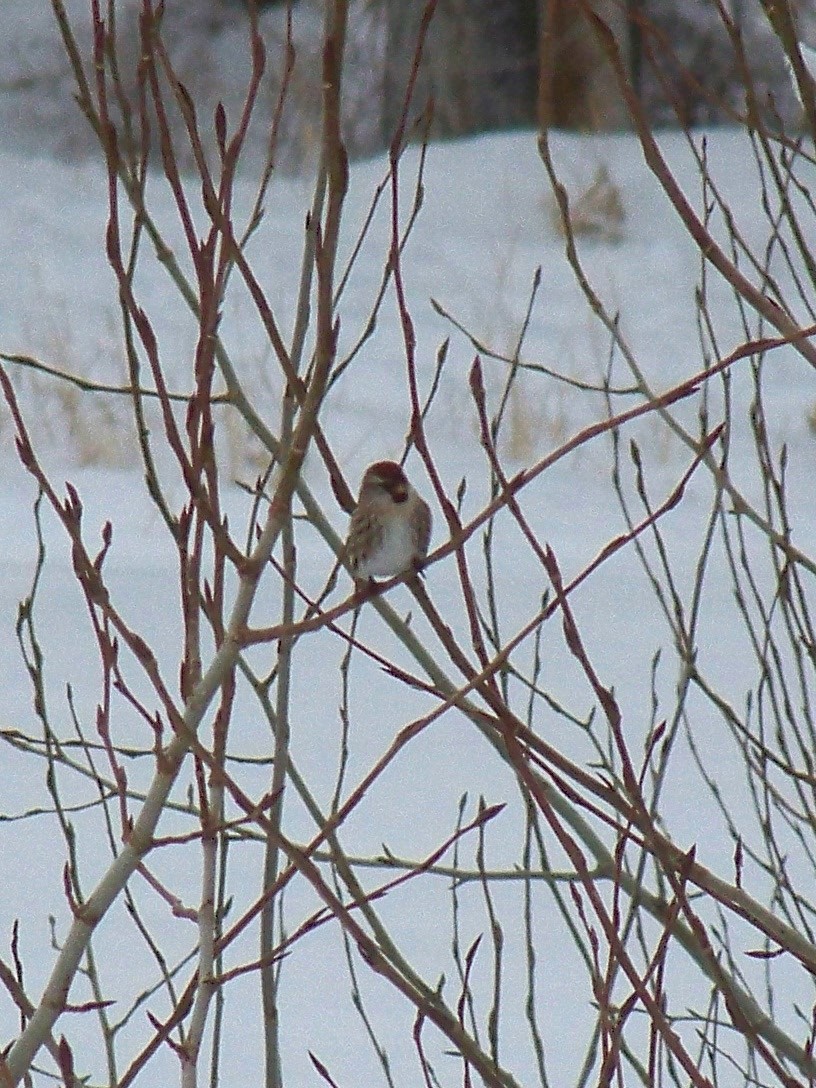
x,y
364,536
423,529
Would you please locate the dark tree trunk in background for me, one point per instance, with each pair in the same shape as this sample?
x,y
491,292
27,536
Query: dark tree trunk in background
x,y
480,64
577,87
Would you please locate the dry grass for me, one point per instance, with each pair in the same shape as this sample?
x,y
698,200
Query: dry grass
x,y
90,428
596,211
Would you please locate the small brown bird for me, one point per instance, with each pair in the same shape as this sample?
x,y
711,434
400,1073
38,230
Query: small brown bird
x,y
390,529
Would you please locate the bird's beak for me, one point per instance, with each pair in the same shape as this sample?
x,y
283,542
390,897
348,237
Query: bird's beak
x,y
399,492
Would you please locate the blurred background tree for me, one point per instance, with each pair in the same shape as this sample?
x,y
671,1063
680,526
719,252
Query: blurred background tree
x,y
576,86
491,64
694,71
487,64
479,63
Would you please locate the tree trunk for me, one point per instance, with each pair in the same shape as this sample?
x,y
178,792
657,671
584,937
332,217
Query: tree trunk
x,y
479,64
577,87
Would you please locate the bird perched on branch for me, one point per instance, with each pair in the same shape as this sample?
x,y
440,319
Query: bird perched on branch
x,y
390,529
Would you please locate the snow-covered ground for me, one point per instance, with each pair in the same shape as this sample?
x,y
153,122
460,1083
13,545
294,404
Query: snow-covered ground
x,y
486,225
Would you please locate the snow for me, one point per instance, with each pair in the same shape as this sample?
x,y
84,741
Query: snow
x,y
486,225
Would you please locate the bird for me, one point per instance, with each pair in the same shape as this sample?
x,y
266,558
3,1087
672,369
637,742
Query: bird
x,y
390,529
